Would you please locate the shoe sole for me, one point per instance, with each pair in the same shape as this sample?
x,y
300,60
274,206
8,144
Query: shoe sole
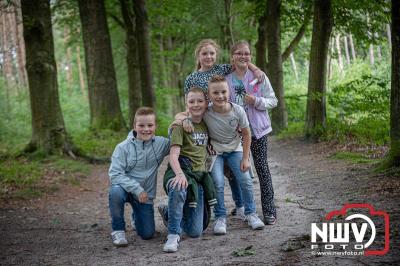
x,y
121,245
170,250
259,228
219,233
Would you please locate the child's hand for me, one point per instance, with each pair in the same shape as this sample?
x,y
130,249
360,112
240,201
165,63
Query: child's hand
x,y
259,74
250,99
179,182
210,150
175,124
143,198
244,165
188,125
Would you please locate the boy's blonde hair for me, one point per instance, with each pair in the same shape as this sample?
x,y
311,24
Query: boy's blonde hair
x,y
144,111
216,79
202,44
195,90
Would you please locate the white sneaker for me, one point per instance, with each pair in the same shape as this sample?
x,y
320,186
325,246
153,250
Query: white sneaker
x,y
119,239
220,226
254,221
172,243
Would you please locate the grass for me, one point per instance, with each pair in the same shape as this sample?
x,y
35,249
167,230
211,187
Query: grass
x,y
353,157
294,130
26,178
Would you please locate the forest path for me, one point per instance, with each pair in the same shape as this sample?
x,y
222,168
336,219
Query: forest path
x,y
72,226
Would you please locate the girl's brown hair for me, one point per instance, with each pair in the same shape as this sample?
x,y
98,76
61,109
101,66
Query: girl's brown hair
x,y
202,44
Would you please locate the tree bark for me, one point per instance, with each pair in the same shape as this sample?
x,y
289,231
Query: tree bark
x,y
7,50
261,44
389,35
293,62
48,130
279,114
132,59
316,101
352,48
371,54
394,153
80,71
346,50
339,53
143,39
68,64
105,110
20,45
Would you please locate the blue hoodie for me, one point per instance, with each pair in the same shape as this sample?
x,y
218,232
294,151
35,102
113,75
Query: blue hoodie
x,y
134,164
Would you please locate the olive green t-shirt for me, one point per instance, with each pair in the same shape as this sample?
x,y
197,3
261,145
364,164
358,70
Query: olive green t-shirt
x,y
193,145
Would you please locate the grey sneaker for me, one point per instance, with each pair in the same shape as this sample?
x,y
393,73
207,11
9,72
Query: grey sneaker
x,y
269,219
220,226
163,210
239,213
119,239
172,243
255,222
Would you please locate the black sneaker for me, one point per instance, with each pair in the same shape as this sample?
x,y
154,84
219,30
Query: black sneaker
x,y
270,220
163,210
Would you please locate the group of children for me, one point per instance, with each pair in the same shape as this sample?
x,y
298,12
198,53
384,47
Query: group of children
x,y
227,111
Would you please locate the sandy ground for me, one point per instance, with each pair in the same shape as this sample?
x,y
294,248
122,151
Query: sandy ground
x,y
72,226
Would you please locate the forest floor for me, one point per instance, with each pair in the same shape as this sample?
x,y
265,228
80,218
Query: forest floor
x,y
72,225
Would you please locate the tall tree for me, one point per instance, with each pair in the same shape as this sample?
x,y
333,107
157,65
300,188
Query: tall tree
x,y
48,130
132,58
275,71
143,39
105,110
316,101
394,154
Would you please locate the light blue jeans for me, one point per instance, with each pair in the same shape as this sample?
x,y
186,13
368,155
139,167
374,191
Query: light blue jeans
x,y
245,183
181,217
144,213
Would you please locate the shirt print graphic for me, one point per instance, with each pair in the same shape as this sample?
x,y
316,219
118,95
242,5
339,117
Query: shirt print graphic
x,y
240,93
200,138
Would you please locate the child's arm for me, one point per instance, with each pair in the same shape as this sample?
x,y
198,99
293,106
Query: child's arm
x,y
179,180
245,163
258,73
184,119
267,100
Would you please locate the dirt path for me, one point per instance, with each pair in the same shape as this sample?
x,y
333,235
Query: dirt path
x,y
72,227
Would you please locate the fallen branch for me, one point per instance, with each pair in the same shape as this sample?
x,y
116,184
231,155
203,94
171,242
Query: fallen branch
x,y
307,208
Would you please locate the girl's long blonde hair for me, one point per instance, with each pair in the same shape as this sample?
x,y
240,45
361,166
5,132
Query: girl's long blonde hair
x,y
202,44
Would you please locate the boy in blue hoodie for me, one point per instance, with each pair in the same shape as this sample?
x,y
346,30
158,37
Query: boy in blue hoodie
x,y
133,176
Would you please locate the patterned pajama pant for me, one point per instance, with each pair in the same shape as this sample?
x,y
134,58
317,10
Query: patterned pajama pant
x,y
259,150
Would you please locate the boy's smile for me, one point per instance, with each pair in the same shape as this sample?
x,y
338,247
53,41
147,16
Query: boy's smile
x,y
145,127
218,94
197,104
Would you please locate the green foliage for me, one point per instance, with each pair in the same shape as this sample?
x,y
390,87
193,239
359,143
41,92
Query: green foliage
x,y
294,130
18,173
98,143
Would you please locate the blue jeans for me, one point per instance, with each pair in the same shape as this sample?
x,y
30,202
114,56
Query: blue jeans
x,y
244,181
181,217
143,213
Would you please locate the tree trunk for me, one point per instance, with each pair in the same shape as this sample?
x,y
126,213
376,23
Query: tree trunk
x,y
346,50
143,39
105,110
389,35
20,45
132,59
293,62
394,153
379,53
353,50
80,71
7,51
371,54
275,72
261,44
316,102
48,130
68,64
339,53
